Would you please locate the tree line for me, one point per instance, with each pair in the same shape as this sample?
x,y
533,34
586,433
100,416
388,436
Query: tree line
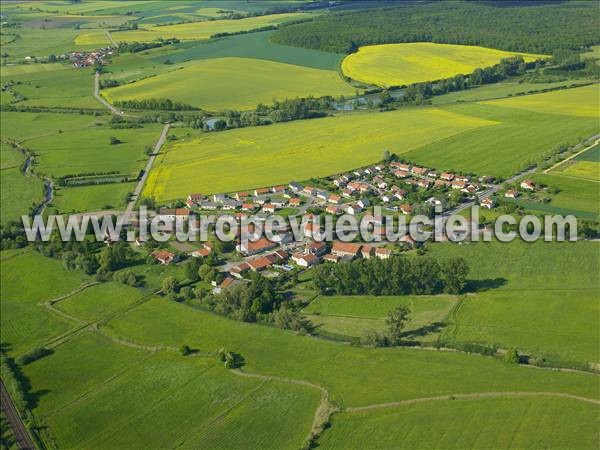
x,y
398,275
536,29
159,104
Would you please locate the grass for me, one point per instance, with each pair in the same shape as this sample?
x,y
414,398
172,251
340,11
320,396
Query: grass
x,y
18,192
101,300
261,156
198,30
92,198
583,101
469,423
29,279
586,165
577,194
502,89
403,64
519,138
537,297
234,83
24,125
354,315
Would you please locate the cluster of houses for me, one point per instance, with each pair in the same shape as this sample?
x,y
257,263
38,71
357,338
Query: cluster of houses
x,y
526,185
85,59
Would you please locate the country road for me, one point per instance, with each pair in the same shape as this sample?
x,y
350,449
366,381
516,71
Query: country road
x,y
101,99
140,185
577,153
23,439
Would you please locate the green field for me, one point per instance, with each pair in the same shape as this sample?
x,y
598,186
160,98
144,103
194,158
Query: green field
x,y
583,101
577,194
586,166
354,315
18,192
261,156
403,64
550,423
235,83
92,198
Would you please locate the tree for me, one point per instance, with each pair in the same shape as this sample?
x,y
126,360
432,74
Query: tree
x,y
185,350
396,321
169,285
512,356
455,273
113,140
191,269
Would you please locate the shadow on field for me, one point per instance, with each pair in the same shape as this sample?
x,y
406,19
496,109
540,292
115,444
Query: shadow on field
x,y
424,330
484,285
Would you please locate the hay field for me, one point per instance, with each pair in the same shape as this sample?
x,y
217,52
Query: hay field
x,y
234,83
402,64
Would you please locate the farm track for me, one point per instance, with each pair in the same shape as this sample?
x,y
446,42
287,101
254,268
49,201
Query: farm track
x,y
574,155
466,396
23,439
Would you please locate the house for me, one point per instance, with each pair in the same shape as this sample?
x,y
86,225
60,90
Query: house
x,y
249,207
401,174
278,189
406,208
458,184
253,248
194,198
170,214
383,253
331,258
201,252
239,270
261,191
432,174
419,170
382,184
340,182
230,204
347,192
189,203
364,202
226,283
315,248
447,176
423,183
400,166
278,203
295,187
528,185
461,178
386,198
219,198
441,183
511,193
487,203
343,249
260,199
259,263
400,194
305,259
408,240
353,208
295,202
241,195
332,209
209,206
268,208
322,195
335,199
163,256
308,191
367,251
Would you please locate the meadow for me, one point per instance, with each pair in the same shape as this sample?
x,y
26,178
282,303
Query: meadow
x,y
576,194
91,198
354,315
262,156
195,30
586,166
403,64
234,83
552,423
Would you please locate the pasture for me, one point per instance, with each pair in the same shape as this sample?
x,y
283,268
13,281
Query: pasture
x,y
354,315
92,197
403,64
535,422
583,101
576,194
234,83
261,156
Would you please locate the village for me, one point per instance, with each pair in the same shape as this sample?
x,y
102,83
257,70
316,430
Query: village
x,y
396,187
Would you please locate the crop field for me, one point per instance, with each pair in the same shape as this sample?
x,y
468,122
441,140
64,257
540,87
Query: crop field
x,y
261,156
519,138
27,280
403,64
193,31
92,198
89,150
354,315
583,101
538,297
117,394
235,83
17,192
551,423
586,166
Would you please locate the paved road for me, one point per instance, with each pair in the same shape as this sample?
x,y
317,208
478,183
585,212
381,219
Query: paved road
x,y
597,137
140,185
14,419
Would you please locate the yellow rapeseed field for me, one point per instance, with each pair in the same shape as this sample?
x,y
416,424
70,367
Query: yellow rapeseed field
x,y
402,64
234,83
262,156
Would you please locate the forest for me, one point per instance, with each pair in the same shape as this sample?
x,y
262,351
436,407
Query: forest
x,y
535,29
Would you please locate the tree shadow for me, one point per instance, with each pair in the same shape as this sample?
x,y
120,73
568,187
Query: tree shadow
x,y
424,330
484,285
